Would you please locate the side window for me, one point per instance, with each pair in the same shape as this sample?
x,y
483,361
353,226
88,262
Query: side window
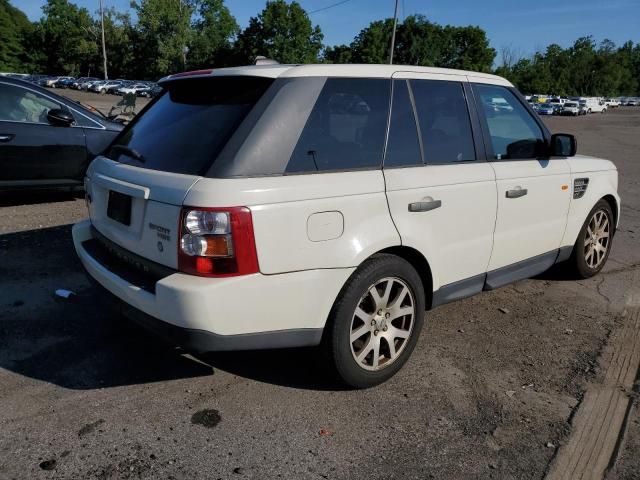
x,y
21,105
403,147
514,132
444,121
346,127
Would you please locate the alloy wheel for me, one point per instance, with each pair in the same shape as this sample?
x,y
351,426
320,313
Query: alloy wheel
x,y
597,239
382,323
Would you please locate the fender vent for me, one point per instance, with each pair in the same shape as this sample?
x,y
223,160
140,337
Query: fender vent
x,y
580,187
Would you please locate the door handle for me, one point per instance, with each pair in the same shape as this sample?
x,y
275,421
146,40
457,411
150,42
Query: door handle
x,y
517,192
6,137
425,206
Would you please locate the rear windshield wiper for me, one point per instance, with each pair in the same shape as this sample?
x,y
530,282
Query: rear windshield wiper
x,y
128,151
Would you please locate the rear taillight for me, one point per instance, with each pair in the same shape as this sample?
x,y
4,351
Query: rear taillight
x,y
217,242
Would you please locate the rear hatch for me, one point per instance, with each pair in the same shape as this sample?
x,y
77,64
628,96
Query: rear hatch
x,y
137,189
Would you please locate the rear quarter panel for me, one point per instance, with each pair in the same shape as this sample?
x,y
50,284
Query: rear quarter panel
x,y
291,229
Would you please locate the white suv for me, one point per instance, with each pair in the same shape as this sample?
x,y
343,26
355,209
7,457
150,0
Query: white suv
x,y
285,206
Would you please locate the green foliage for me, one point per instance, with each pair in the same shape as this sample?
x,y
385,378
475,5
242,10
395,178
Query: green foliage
x,y
14,30
582,69
163,31
337,54
283,32
64,39
421,42
212,35
174,35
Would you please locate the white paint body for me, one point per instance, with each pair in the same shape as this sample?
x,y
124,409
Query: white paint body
x,y
313,231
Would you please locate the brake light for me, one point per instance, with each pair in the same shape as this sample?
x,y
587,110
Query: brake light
x,y
217,242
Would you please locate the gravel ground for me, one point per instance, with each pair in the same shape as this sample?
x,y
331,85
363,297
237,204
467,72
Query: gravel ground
x,y
492,382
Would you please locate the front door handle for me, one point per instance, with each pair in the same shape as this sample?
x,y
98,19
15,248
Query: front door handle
x,y
517,192
425,206
6,137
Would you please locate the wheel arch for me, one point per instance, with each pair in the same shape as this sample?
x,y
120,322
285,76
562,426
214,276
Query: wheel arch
x,y
420,263
613,203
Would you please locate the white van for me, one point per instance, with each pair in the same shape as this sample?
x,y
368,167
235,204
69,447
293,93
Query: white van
x,y
284,206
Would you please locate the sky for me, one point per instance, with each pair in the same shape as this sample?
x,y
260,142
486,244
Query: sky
x,y
522,25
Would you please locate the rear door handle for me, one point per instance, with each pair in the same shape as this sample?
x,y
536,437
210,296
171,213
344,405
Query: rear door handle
x,y
425,206
517,192
6,137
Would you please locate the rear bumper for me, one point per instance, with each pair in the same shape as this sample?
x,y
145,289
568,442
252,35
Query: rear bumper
x,y
246,312
204,341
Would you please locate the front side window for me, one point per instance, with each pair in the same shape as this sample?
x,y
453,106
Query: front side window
x,y
444,121
346,127
18,104
514,132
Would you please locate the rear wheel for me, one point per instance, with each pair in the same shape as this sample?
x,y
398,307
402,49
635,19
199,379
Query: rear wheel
x,y
376,321
593,245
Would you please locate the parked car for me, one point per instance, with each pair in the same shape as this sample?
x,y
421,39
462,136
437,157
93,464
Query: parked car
x,y
632,102
48,81
135,88
594,105
114,86
612,102
56,81
106,86
150,91
546,109
81,81
571,108
247,208
66,82
47,139
89,83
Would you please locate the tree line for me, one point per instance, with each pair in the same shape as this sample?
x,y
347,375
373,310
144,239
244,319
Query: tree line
x,y
174,35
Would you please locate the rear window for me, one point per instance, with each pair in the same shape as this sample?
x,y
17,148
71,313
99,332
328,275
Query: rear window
x,y
185,129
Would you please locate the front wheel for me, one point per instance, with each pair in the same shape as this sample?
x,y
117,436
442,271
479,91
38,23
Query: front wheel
x,y
376,321
593,245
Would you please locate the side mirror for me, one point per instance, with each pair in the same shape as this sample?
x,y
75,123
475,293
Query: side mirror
x,y
60,117
563,145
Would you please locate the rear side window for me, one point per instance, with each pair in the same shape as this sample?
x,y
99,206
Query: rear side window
x,y
444,121
403,146
346,127
185,129
514,132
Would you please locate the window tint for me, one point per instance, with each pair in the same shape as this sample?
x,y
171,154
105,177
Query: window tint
x,y
403,147
185,129
444,121
346,127
514,132
21,105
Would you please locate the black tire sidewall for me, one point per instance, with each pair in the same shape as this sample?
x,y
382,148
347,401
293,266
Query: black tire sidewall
x,y
580,263
374,269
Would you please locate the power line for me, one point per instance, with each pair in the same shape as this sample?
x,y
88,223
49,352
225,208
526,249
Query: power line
x,y
328,7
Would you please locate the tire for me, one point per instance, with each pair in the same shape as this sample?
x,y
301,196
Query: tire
x,y
353,357
587,263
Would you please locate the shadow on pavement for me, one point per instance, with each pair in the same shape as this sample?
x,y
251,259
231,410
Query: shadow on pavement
x,y
78,343
14,198
295,368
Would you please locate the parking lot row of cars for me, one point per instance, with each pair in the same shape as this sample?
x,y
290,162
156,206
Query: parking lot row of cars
x,y
92,84
576,106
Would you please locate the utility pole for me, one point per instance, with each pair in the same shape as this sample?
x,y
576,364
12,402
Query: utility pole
x,y
393,35
104,47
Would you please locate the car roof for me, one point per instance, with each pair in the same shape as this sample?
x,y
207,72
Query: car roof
x,y
342,70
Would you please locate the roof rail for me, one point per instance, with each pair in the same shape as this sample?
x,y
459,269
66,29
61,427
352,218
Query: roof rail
x,y
261,60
